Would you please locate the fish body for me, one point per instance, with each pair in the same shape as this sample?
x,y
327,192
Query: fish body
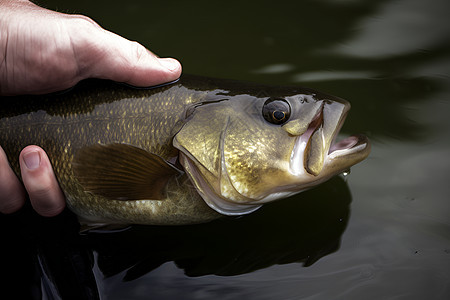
x,y
182,153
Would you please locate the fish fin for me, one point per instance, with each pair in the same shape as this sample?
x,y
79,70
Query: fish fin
x,y
122,172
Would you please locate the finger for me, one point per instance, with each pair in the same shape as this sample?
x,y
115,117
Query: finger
x,y
113,57
134,64
40,182
12,193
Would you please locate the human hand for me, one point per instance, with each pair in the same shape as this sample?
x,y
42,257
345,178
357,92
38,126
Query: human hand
x,y
42,51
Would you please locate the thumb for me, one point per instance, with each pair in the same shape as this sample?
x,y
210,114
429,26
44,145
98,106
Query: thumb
x,y
40,182
116,58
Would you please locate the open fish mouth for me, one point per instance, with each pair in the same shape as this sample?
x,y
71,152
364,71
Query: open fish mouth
x,y
318,153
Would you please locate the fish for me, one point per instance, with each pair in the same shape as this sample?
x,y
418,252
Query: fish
x,y
185,152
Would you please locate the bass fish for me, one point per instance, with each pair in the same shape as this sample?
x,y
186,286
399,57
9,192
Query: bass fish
x,y
181,153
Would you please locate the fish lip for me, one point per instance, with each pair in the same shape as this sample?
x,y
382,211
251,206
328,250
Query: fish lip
x,y
296,164
338,128
353,144
357,146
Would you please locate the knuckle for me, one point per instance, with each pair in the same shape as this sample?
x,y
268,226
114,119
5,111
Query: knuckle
x,y
41,187
139,52
138,49
83,21
46,197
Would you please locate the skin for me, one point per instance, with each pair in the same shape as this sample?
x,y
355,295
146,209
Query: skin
x,y
42,51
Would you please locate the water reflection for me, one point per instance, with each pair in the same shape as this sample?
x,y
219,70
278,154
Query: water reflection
x,y
274,69
299,229
302,228
334,75
399,28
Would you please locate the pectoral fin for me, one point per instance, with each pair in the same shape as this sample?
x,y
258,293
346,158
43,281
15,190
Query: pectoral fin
x,y
122,172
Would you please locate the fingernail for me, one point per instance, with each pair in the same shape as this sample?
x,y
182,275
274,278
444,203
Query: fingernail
x,y
169,63
32,160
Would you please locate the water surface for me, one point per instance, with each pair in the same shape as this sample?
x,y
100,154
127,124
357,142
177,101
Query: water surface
x,y
382,233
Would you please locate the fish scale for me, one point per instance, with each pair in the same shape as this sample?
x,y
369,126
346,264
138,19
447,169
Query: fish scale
x,y
181,153
123,118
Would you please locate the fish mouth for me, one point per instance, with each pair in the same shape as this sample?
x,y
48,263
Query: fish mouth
x,y
317,153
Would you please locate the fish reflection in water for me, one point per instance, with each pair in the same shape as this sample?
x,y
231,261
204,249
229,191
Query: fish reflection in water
x,y
287,231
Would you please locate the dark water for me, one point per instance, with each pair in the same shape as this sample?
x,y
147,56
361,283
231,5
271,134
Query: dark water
x,y
382,233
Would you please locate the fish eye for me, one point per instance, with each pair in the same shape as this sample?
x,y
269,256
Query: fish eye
x,y
276,111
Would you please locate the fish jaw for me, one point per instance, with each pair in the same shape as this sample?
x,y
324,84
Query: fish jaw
x,y
212,198
237,160
317,156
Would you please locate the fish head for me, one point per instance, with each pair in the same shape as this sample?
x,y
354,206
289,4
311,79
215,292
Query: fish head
x,y
245,150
